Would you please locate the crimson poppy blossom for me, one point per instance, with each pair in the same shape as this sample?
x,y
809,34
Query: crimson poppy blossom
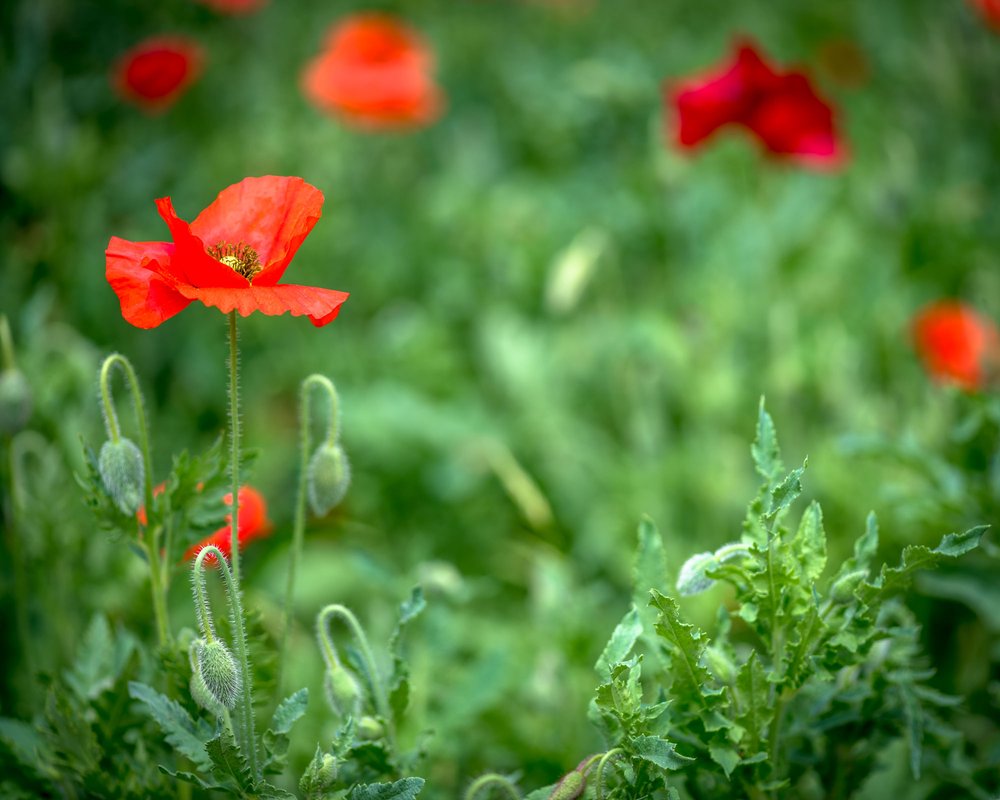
x,y
956,344
990,9
375,72
251,520
231,257
234,7
157,71
782,110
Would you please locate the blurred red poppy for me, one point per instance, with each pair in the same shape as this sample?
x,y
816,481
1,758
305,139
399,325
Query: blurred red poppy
x,y
990,9
375,73
157,71
781,109
234,7
231,257
956,344
252,521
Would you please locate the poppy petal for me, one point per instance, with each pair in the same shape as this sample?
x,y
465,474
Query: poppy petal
x,y
271,214
320,305
133,270
191,264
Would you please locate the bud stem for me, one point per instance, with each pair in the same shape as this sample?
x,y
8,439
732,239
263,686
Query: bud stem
x,y
488,780
234,443
244,723
158,577
6,345
371,668
298,530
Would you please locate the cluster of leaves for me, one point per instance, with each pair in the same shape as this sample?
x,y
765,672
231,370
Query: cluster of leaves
x,y
810,684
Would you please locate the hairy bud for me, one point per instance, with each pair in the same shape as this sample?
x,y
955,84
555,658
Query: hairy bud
x,y
343,692
219,673
15,401
843,588
720,665
328,477
370,729
319,775
122,474
570,787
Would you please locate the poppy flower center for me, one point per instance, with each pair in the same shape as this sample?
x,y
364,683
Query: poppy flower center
x,y
241,258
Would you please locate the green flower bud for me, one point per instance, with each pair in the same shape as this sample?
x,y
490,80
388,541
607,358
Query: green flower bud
x,y
199,691
692,579
370,729
343,692
720,665
570,787
15,401
328,477
843,588
122,473
219,673
319,775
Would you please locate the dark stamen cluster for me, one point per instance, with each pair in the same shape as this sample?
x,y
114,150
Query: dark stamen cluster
x,y
241,258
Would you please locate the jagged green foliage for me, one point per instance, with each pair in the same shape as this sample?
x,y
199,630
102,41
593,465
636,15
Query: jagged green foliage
x,y
802,691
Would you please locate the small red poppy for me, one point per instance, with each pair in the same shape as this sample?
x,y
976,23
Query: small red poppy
x,y
157,71
956,344
252,524
234,7
231,257
781,109
990,9
375,72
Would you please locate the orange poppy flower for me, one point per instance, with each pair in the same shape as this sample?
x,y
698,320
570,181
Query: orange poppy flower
x,y
157,71
990,9
956,344
231,257
375,72
252,521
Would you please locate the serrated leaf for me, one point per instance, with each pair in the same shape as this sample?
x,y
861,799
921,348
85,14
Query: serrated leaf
x,y
405,789
786,492
289,711
229,761
26,744
649,571
100,659
865,548
197,780
622,694
686,648
725,756
659,751
810,543
399,690
187,737
765,450
753,702
620,644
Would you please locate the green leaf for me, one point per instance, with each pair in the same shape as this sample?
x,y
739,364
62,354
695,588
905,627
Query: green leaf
x,y
753,701
289,711
405,789
649,571
865,548
100,659
620,644
686,648
187,737
229,761
725,756
810,543
786,492
765,450
399,690
26,744
622,694
659,751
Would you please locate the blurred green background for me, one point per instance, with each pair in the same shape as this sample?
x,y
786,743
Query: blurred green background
x,y
558,323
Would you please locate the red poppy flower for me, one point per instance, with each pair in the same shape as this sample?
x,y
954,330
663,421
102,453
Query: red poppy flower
x,y
782,110
157,71
231,257
252,521
956,344
990,9
234,7
375,72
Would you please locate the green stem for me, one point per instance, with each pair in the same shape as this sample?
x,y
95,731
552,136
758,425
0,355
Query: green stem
x,y
159,584
599,780
234,443
298,530
367,656
491,779
244,728
6,345
17,564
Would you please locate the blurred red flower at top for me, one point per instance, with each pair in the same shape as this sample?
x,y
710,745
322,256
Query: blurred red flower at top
x,y
956,344
252,524
157,71
781,109
990,9
231,257
375,73
234,7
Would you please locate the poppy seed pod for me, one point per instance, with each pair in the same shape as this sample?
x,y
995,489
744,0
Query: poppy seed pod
x,y
343,692
15,401
122,474
328,477
219,672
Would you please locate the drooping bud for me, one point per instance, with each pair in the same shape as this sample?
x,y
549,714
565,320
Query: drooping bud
x,y
319,775
570,787
15,401
843,588
220,673
199,690
692,579
328,477
343,692
370,729
122,474
720,665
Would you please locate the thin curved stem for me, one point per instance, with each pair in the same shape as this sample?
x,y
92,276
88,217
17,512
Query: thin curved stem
x,y
157,576
245,735
491,779
298,529
612,753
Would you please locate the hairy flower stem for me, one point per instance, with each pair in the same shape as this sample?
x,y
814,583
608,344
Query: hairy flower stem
x,y
243,725
234,442
158,576
367,657
489,780
11,519
298,530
